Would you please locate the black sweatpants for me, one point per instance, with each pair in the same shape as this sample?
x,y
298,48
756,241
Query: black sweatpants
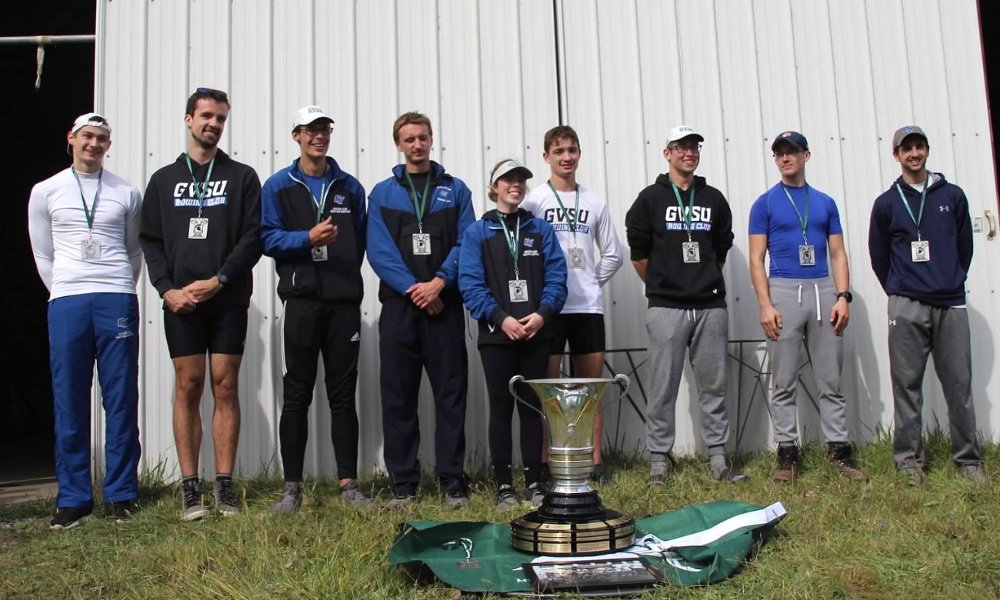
x,y
311,328
501,362
410,340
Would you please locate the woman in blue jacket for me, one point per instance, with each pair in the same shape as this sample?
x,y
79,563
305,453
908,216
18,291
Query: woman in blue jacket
x,y
512,275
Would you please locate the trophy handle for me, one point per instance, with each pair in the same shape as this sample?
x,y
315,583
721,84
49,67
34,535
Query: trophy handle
x,y
513,384
624,383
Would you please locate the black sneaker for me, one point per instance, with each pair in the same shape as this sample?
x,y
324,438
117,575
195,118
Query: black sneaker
x,y
192,508
68,518
119,511
787,468
225,498
506,498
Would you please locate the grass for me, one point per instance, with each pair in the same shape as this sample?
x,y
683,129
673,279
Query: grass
x,y
840,539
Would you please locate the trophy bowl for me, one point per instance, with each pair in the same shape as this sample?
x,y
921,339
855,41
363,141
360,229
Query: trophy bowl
x,y
571,520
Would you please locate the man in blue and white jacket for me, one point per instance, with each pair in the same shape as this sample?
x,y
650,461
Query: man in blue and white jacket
x,y
416,219
313,224
920,242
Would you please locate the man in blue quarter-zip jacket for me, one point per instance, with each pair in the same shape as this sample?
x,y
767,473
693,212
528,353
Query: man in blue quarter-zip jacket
x,y
920,242
416,219
313,225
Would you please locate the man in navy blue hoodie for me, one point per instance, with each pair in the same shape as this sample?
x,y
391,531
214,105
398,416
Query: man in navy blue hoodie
x,y
415,221
313,225
920,241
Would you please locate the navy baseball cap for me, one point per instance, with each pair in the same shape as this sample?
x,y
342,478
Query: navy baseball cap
x,y
794,138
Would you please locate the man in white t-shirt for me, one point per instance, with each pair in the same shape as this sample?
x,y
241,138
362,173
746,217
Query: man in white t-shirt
x,y
84,229
582,221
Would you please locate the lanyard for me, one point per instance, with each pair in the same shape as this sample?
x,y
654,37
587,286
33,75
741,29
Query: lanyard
x,y
685,212
803,219
572,219
318,202
419,200
920,211
89,214
199,190
513,239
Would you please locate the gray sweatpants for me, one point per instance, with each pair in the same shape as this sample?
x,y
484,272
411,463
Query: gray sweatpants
x,y
672,332
915,331
805,306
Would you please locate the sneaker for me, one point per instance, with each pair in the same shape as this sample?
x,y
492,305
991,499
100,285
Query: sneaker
x,y
291,498
456,498
351,493
225,498
842,456
788,464
659,470
534,495
119,511
730,474
914,472
68,518
192,507
600,475
974,473
506,498
399,502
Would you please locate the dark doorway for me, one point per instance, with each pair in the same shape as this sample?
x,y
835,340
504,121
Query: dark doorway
x,y
35,125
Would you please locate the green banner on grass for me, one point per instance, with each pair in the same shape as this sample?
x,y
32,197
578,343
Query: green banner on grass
x,y
694,545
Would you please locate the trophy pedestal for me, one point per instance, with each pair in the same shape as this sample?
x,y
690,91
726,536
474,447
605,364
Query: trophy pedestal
x,y
572,525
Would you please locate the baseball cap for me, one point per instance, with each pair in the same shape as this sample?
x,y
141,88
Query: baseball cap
x,y
509,166
790,137
903,132
682,131
308,114
92,119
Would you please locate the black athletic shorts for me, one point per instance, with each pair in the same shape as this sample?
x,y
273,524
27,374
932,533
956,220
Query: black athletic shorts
x,y
213,327
584,332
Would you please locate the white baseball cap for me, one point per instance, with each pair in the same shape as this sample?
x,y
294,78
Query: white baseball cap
x,y
509,166
308,114
93,120
682,131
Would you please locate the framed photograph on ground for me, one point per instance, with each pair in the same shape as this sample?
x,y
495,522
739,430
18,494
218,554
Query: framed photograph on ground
x,y
593,576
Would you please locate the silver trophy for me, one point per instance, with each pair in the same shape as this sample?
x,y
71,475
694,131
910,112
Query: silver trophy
x,y
571,520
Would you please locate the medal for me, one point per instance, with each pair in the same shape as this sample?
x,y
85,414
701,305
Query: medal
x,y
691,252
198,228
90,250
421,244
920,251
576,260
807,255
518,289
319,254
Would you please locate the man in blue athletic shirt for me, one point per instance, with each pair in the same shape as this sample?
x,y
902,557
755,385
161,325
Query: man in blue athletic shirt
x,y
802,299
920,242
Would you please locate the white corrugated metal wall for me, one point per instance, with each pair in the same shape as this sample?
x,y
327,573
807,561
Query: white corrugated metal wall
x,y
493,76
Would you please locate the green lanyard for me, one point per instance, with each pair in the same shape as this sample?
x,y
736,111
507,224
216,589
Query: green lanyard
x,y
685,212
322,194
513,240
920,211
572,219
89,214
803,220
419,200
199,190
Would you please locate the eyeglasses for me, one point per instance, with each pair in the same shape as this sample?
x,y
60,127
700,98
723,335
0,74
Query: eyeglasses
x,y
686,148
218,95
314,130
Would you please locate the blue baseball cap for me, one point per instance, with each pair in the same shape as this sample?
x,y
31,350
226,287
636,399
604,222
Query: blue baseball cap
x,y
794,138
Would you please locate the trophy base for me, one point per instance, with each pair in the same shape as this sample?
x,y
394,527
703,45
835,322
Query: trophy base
x,y
572,525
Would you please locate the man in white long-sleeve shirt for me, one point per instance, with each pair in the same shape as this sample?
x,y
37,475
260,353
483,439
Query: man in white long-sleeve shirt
x,y
582,221
84,229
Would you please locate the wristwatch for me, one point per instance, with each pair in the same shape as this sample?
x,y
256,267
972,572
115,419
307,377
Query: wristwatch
x,y
847,295
224,280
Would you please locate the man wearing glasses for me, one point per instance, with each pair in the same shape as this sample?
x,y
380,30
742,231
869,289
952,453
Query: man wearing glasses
x,y
313,225
200,233
416,218
799,226
84,228
920,242
679,231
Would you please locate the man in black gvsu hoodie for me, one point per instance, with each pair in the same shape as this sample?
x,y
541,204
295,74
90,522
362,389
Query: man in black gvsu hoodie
x,y
679,231
313,225
200,232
